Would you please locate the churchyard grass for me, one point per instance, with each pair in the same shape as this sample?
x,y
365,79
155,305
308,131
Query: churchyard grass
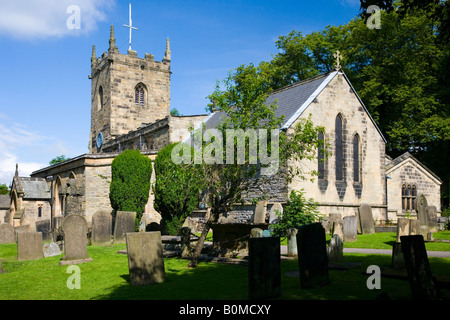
x,y
107,277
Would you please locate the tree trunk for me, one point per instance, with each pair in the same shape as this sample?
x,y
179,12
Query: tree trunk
x,y
200,243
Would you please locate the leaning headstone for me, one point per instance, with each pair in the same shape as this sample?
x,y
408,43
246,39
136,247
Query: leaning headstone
x,y
275,212
264,268
75,240
292,242
335,248
338,229
45,227
312,255
145,258
29,246
125,221
260,212
418,268
51,249
350,228
414,227
101,228
7,234
366,219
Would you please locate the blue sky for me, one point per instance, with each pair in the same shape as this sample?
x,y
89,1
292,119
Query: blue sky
x,y
44,65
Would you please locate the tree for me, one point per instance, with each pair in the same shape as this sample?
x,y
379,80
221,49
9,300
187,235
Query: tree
x,y
174,112
244,102
4,189
297,212
176,189
58,160
130,183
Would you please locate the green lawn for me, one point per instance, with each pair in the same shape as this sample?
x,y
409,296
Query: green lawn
x,y
106,278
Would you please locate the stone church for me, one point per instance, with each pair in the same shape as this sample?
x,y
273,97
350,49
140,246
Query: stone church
x,y
130,109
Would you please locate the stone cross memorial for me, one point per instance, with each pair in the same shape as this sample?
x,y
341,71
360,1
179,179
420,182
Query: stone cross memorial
x,y
125,221
29,246
264,268
145,258
75,240
312,255
101,228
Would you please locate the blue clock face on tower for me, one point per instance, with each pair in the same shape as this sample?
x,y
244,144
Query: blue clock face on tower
x,y
99,140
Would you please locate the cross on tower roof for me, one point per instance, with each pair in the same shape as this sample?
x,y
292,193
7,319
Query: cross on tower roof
x,y
337,55
130,25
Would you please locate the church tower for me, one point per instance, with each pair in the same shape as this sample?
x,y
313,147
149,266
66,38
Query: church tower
x,y
126,92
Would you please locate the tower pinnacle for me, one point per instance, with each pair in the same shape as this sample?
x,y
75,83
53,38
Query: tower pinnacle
x,y
167,54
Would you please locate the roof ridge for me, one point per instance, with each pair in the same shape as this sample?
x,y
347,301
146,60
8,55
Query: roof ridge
x,y
301,82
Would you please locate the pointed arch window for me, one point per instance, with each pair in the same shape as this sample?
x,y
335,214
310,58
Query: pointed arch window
x,y
139,95
100,97
356,159
339,152
321,157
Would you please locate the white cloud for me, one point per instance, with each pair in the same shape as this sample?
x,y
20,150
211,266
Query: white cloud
x,y
31,19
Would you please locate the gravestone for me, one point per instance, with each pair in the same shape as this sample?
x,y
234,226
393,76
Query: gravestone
x,y
145,258
335,248
264,268
418,268
51,249
7,233
326,224
366,219
414,227
312,255
403,227
125,221
332,218
338,228
421,207
273,216
101,228
432,219
44,226
75,240
350,228
256,233
29,246
185,233
292,242
260,212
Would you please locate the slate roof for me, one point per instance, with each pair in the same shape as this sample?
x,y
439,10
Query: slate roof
x,y
4,201
34,188
294,99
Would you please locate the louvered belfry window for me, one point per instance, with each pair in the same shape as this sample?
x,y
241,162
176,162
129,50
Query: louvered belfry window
x,y
139,95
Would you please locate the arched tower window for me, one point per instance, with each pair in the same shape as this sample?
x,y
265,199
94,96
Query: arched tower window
x,y
321,157
100,97
356,159
139,94
339,152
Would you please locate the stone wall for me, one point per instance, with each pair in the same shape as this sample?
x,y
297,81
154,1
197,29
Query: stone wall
x,y
344,196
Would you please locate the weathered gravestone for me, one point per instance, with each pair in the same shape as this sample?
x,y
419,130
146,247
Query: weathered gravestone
x,y
350,228
432,219
403,228
125,221
366,222
422,215
260,212
44,226
145,258
75,240
338,229
414,227
334,218
275,212
264,268
292,242
29,246
51,249
312,255
101,228
7,233
418,268
335,248
256,233
185,233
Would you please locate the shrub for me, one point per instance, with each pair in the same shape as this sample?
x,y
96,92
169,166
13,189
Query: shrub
x,y
297,212
176,189
130,183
